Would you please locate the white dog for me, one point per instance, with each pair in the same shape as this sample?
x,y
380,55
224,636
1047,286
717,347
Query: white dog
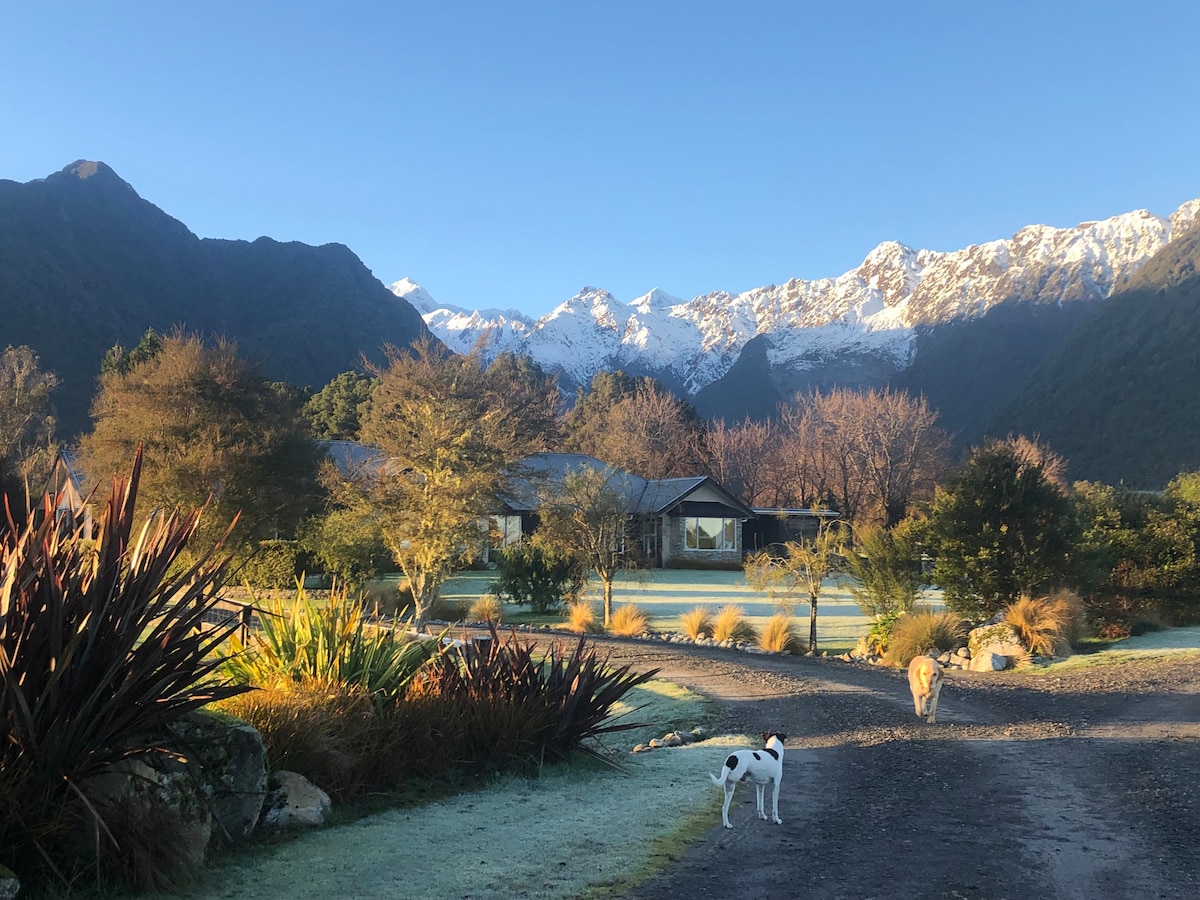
x,y
925,676
760,766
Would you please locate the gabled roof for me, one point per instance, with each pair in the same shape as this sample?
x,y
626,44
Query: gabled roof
x,y
656,496
645,496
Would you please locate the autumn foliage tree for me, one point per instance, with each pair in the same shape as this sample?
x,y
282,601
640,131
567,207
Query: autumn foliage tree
x,y
638,426
27,445
869,455
447,431
213,430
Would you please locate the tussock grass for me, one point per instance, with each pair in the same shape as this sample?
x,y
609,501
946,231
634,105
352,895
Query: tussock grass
x,y
1045,624
581,617
697,622
487,608
779,634
730,624
628,621
920,630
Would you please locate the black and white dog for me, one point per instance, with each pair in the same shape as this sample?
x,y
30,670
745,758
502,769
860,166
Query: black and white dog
x,y
760,766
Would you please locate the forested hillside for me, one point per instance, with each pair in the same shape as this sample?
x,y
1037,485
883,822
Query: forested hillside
x,y
85,263
1119,400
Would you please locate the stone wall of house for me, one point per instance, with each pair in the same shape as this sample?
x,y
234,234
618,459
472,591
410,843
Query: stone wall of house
x,y
676,555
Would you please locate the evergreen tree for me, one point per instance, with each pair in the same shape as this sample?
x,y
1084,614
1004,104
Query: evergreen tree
x,y
1000,529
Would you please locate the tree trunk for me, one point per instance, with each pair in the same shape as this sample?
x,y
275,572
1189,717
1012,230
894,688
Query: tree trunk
x,y
812,624
608,583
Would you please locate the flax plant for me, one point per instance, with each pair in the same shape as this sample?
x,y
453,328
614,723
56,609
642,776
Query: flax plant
x,y
103,644
303,644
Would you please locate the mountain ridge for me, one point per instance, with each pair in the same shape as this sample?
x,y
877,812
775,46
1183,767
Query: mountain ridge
x,y
878,311
86,263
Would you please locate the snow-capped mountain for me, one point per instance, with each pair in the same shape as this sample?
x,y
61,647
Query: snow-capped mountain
x,y
874,311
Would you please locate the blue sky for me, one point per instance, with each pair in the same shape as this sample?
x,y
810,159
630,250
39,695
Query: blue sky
x,y
508,154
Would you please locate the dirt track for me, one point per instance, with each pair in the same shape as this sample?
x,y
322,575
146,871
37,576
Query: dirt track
x,y
1080,785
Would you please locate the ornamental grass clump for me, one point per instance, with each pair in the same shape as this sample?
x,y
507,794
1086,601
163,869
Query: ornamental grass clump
x,y
697,622
581,617
780,634
1045,624
730,624
488,608
104,644
920,630
628,621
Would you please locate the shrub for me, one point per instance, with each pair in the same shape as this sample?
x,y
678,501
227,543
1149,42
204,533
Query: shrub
x,y
697,622
1043,624
487,608
348,545
325,732
921,630
581,617
527,574
448,609
628,621
272,564
521,709
301,643
881,633
886,568
779,634
730,624
103,644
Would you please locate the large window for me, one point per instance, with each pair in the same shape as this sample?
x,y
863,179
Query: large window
x,y
711,533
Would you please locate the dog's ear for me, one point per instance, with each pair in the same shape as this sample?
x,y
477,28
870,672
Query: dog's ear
x,y
767,736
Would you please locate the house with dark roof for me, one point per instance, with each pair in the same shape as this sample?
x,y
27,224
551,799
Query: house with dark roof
x,y
674,522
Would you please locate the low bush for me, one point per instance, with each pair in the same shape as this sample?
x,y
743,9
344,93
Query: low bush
x,y
519,709
1044,624
628,620
780,634
487,608
697,622
730,624
921,630
581,617
528,574
303,644
881,633
448,609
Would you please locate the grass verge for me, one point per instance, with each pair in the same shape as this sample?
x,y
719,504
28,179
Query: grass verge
x,y
598,831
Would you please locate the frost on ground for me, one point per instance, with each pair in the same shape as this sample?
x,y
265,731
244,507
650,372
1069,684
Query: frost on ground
x,y
546,837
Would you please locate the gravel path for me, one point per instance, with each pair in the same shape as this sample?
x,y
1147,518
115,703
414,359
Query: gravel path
x,y
1074,785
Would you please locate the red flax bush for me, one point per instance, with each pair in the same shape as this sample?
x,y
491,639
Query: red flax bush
x,y
103,645
516,707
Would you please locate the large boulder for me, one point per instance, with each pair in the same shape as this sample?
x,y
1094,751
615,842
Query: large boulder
x,y
996,637
172,799
211,785
987,661
229,759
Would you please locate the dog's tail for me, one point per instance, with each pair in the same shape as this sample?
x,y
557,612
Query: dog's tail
x,y
720,782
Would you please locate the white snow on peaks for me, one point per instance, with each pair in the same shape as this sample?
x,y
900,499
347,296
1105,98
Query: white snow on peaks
x,y
873,309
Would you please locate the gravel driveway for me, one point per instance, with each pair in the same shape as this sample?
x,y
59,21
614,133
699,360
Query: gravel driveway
x,y
1074,785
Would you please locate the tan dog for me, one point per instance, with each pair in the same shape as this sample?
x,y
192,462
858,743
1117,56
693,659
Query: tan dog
x,y
925,676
